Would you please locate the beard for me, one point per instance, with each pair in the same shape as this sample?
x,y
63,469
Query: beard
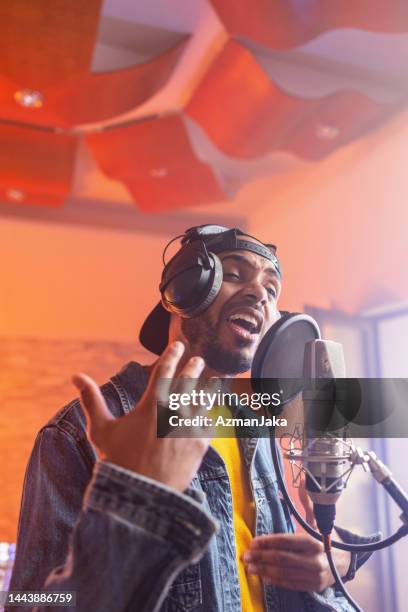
x,y
204,339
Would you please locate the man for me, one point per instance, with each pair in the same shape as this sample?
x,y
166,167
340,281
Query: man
x,y
219,297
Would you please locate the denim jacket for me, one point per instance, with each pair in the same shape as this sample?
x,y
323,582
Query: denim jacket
x,y
125,543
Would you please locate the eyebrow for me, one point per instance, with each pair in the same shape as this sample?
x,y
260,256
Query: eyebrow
x,y
242,258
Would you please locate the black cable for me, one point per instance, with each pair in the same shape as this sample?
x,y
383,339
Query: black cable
x,y
400,533
339,583
167,246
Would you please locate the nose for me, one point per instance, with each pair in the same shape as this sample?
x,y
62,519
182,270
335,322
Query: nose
x,y
257,292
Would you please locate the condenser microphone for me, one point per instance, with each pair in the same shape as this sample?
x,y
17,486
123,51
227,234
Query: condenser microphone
x,y
292,359
327,452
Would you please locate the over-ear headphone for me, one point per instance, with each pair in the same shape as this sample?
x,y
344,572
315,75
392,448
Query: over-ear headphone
x,y
192,279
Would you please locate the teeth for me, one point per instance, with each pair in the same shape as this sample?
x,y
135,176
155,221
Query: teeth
x,y
245,317
251,320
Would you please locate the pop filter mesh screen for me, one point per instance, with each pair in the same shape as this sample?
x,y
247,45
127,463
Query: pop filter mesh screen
x,y
278,362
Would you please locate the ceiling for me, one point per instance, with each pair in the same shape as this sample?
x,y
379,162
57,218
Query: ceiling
x,y
165,105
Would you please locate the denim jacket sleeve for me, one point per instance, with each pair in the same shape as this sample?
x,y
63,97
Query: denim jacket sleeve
x,y
116,538
131,540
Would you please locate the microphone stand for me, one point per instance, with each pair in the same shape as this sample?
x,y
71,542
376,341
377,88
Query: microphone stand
x,y
382,475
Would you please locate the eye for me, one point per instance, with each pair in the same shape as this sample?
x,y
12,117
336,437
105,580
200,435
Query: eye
x,y
231,275
271,291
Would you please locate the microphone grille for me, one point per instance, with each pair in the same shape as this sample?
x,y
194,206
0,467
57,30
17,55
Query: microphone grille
x,y
324,359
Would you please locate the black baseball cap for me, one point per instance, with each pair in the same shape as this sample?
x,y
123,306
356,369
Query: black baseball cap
x,y
154,334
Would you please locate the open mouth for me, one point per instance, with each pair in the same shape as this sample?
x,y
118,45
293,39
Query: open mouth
x,y
245,325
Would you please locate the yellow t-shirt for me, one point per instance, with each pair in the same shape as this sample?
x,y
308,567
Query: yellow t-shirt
x,y
243,507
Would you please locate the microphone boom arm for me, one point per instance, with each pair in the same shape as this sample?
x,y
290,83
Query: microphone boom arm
x,y
383,475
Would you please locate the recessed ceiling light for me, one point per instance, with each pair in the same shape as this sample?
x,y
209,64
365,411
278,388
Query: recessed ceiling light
x,y
29,98
327,131
16,195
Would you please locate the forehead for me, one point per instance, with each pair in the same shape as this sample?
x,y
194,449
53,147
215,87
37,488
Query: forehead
x,y
248,259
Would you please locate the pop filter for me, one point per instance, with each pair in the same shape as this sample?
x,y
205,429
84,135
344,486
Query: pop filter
x,y
278,363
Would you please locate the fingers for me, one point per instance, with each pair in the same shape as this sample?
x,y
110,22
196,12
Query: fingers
x,y
92,402
299,542
162,376
292,561
189,375
292,578
162,379
285,559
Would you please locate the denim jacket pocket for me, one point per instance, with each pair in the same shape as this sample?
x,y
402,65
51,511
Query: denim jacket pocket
x,y
185,594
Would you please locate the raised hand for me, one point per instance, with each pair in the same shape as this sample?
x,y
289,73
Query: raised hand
x,y
131,441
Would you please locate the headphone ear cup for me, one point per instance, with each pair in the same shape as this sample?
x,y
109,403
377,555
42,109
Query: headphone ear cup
x,y
213,287
188,286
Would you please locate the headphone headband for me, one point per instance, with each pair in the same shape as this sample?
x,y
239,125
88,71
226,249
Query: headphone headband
x,y
218,238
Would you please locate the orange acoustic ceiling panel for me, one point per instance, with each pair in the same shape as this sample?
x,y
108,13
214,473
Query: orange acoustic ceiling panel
x,y
45,42
236,110
35,165
155,161
247,116
101,96
290,23
93,97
